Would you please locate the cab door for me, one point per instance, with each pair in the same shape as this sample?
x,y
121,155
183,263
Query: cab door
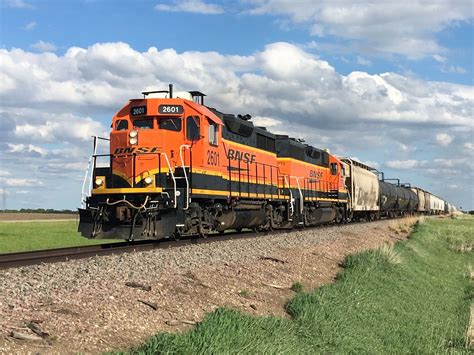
x,y
193,139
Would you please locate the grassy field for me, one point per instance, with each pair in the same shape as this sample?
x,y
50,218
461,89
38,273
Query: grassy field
x,y
23,236
410,298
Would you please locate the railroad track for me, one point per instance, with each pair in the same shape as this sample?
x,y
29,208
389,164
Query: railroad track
x,y
27,258
64,254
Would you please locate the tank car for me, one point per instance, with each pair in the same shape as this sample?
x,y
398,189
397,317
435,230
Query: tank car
x,y
397,199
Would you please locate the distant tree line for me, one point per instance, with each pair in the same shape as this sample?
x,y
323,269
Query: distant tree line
x,y
39,210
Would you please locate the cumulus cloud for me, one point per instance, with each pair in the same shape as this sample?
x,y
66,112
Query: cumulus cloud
x,y
43,46
19,182
403,164
374,26
444,139
194,6
51,103
26,148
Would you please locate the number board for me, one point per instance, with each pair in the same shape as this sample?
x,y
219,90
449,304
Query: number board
x,y
170,109
138,111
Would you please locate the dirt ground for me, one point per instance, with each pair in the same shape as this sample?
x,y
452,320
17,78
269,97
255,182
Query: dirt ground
x,y
86,308
10,217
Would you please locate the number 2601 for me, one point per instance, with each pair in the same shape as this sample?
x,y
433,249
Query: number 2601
x,y
212,158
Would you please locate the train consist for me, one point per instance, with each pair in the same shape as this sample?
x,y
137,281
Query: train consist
x,y
177,167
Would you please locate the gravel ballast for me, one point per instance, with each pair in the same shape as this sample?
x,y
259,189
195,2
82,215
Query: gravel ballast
x,y
114,302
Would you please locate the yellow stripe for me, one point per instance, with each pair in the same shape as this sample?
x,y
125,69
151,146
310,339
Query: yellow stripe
x,y
127,190
260,195
138,190
235,194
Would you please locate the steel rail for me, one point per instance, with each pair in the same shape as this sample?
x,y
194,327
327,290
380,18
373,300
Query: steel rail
x,y
36,257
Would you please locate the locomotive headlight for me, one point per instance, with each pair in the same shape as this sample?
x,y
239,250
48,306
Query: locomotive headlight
x,y
133,140
148,180
133,134
99,182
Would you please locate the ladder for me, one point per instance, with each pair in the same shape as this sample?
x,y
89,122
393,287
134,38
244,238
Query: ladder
x,y
181,156
173,178
292,200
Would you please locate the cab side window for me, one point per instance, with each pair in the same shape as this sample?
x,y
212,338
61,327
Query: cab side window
x,y
193,128
333,168
122,125
213,133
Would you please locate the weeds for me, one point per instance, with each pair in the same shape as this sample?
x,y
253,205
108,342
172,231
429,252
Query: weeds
x,y
297,287
245,293
388,251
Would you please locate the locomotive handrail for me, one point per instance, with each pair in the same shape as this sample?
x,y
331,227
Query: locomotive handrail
x,y
292,209
297,178
181,150
84,194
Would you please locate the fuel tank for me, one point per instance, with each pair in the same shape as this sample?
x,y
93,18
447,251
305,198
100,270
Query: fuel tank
x,y
233,219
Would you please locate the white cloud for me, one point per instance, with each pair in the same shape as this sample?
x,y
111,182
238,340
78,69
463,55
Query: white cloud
x,y
26,148
65,127
439,58
374,26
194,6
29,26
444,139
50,104
19,4
20,182
402,164
469,146
457,69
43,46
363,61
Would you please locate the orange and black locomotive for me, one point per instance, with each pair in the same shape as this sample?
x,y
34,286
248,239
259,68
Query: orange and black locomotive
x,y
177,167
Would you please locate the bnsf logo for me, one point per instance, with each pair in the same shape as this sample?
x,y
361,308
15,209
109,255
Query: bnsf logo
x,y
245,157
315,174
136,150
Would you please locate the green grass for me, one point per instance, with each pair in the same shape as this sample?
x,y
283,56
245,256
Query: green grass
x,y
23,236
411,298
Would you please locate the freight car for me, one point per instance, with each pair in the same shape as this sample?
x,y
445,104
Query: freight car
x,y
397,199
363,184
177,167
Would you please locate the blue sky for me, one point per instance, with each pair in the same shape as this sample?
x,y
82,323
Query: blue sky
x,y
388,83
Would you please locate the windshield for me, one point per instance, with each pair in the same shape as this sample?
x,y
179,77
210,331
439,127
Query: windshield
x,y
170,123
143,123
